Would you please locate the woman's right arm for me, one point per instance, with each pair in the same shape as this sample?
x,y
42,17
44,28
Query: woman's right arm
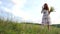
x,y
42,10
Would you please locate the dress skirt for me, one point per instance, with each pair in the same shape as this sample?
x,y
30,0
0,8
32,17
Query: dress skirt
x,y
46,19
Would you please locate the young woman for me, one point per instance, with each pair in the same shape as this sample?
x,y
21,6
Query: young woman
x,y
46,17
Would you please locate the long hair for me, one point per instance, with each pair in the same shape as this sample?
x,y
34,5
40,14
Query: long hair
x,y
46,7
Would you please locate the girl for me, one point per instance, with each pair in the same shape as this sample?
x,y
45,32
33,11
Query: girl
x,y
46,17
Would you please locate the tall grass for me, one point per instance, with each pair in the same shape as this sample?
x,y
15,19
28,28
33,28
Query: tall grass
x,y
10,27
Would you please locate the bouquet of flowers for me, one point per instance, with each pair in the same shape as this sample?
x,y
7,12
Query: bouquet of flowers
x,y
51,9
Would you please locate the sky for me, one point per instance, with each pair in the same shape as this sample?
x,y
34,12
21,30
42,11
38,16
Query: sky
x,y
30,10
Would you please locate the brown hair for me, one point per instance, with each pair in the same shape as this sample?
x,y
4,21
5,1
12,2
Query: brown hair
x,y
46,7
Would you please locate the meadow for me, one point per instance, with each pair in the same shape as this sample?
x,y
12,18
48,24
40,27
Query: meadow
x,y
10,27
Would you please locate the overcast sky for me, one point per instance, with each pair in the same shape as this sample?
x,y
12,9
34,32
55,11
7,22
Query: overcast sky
x,y
30,10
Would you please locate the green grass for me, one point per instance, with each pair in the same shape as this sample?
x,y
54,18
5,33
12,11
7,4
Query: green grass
x,y
9,27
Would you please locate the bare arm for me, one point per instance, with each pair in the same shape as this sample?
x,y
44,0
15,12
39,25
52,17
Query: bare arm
x,y
42,10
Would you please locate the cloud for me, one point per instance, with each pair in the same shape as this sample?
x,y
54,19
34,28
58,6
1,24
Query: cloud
x,y
6,5
0,2
28,14
18,11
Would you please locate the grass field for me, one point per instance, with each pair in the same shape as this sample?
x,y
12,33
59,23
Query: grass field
x,y
9,27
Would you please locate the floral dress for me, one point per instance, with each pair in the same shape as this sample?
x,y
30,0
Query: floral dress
x,y
46,17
